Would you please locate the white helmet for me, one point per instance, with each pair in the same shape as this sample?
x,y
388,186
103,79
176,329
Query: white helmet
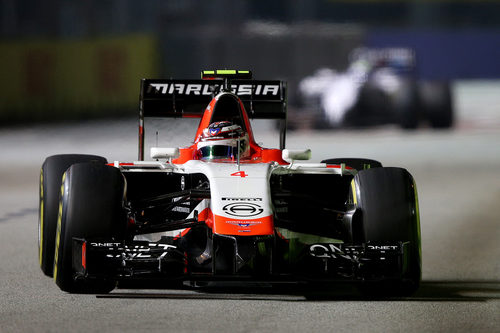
x,y
223,140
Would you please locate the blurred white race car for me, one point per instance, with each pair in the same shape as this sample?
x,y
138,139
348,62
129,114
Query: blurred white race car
x,y
379,87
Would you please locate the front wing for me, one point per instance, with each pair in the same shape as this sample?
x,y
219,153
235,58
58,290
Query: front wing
x,y
268,261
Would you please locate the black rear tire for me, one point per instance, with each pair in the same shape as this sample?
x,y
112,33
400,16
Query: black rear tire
x,y
356,163
406,105
50,189
388,200
91,207
437,103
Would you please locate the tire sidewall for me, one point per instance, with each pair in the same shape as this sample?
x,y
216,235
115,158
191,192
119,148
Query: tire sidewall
x,y
90,207
388,201
49,192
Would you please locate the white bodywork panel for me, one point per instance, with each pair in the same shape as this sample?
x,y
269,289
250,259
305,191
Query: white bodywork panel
x,y
228,182
233,186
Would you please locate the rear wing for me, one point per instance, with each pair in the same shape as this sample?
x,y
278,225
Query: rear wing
x,y
263,99
189,98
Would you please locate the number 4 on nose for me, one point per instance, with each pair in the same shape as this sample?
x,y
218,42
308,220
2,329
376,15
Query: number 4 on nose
x,y
240,174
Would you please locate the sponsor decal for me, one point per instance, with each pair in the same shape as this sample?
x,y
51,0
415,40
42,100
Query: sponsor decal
x,y
106,244
242,209
214,131
206,89
244,223
181,209
121,246
225,225
134,251
383,247
350,252
332,251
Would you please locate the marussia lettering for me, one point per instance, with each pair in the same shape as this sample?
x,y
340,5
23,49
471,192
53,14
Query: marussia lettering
x,y
207,89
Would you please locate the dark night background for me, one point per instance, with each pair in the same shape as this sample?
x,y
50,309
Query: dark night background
x,y
83,59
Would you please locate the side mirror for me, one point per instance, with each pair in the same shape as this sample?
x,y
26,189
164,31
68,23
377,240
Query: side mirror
x,y
167,153
298,154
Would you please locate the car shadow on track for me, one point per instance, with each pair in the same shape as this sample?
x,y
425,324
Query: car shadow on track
x,y
429,291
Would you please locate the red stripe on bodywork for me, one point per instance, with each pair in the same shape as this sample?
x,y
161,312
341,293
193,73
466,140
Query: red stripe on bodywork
x,y
84,255
338,166
243,226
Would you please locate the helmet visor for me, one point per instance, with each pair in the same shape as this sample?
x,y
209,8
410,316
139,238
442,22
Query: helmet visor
x,y
216,152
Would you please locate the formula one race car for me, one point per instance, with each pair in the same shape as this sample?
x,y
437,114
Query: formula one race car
x,y
379,87
224,208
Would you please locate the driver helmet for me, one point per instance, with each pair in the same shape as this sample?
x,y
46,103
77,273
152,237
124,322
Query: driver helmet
x,y
223,140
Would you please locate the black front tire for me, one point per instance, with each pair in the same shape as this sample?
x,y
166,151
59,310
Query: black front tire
x,y
91,206
388,200
50,189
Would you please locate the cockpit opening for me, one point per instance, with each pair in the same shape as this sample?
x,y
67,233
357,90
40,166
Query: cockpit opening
x,y
228,108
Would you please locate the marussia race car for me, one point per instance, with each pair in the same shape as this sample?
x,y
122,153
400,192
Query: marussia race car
x,y
224,208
